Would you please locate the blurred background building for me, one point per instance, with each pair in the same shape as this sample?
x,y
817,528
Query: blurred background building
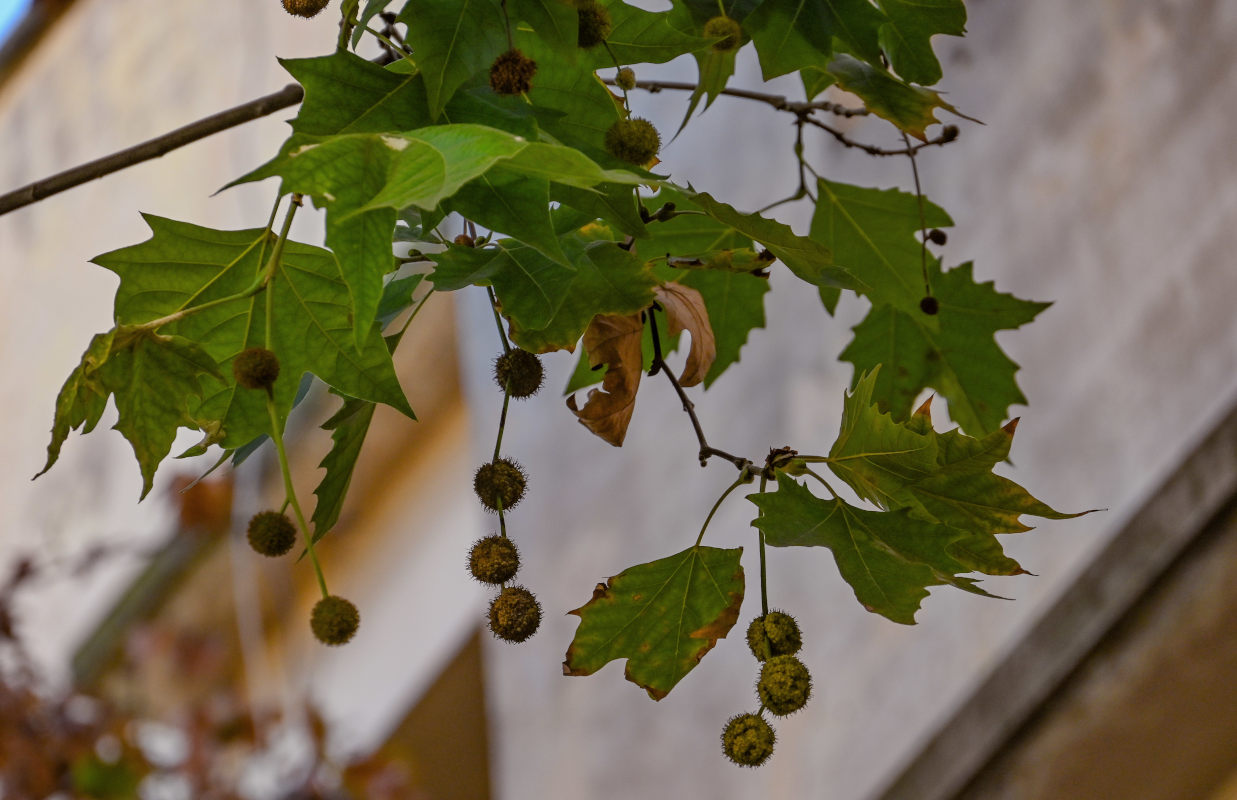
x,y
1104,179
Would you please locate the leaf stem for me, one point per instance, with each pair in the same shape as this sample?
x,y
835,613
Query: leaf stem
x,y
742,479
823,481
290,491
764,583
498,321
923,225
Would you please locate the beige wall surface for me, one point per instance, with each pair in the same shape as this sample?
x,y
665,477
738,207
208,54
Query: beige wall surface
x,y
1103,180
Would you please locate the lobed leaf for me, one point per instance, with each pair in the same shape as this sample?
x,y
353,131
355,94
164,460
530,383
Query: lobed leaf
x,y
663,617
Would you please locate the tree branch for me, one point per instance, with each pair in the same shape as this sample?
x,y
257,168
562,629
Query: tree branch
x,y
290,95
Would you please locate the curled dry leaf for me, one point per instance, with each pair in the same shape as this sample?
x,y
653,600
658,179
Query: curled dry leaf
x,y
685,311
615,342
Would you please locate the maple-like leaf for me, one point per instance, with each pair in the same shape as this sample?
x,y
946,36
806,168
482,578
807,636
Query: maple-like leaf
x,y
942,477
795,34
906,37
954,351
349,427
662,617
453,40
911,108
157,383
615,342
888,557
310,327
685,311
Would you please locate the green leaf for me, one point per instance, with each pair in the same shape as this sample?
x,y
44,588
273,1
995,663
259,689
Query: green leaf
x,y
911,108
555,21
945,478
872,232
807,258
184,265
662,617
453,40
906,37
569,100
954,352
639,37
348,428
157,383
372,9
549,304
888,557
345,93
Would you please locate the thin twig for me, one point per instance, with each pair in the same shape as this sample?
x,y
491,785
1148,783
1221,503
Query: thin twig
x,y
780,102
947,135
290,95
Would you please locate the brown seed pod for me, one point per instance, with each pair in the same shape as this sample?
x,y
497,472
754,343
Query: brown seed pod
x,y
256,368
500,484
304,8
747,740
515,614
494,559
512,73
595,24
633,140
271,533
519,373
334,620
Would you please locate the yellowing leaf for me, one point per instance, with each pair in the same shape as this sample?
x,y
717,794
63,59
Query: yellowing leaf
x,y
615,342
685,311
662,617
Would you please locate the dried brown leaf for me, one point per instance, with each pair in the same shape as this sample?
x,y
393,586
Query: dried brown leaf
x,y
615,342
685,311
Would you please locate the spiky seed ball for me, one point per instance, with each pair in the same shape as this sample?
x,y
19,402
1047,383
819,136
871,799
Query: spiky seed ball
x,y
494,559
633,140
626,79
929,305
334,620
519,373
747,740
304,8
937,236
949,133
271,533
595,24
256,368
515,614
730,32
512,73
500,483
785,685
774,634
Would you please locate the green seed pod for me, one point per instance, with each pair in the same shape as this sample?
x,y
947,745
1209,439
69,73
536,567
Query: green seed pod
x,y
500,484
519,372
271,533
729,31
256,368
633,140
494,559
334,620
595,24
774,634
747,740
784,686
304,8
515,614
512,73
626,79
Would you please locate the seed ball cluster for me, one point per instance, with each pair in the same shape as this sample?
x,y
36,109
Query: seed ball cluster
x,y
729,31
515,614
626,79
512,73
494,559
271,533
774,634
519,373
334,620
633,140
304,8
595,24
500,484
785,685
256,368
748,740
